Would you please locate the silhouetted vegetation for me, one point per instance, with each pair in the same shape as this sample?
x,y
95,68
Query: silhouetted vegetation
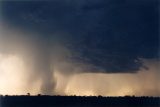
x,y
77,101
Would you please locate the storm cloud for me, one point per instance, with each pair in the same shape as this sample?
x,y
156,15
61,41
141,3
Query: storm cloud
x,y
109,36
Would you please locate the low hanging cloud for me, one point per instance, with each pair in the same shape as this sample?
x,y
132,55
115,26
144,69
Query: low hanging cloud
x,y
100,33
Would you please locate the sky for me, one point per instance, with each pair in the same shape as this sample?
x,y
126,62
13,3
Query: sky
x,y
79,47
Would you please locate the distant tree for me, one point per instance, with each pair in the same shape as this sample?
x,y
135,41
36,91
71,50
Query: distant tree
x,y
28,94
100,96
39,94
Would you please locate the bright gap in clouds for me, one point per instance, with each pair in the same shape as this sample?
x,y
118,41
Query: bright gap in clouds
x,y
14,76
143,83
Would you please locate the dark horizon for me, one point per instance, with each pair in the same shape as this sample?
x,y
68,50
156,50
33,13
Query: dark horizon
x,y
77,101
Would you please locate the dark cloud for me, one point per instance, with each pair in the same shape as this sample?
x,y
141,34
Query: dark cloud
x,y
110,35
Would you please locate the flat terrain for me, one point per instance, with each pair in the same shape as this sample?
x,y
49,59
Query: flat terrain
x,y
77,101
